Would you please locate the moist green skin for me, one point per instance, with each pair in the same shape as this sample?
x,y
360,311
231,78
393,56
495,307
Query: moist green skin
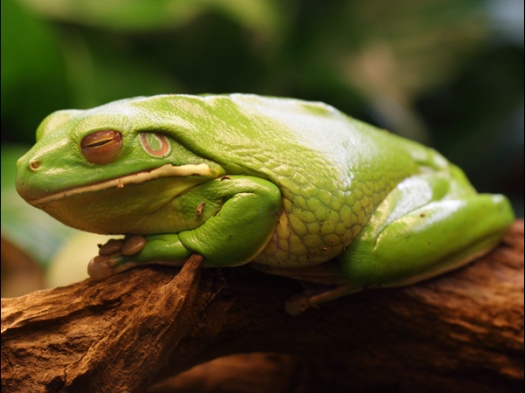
x,y
306,183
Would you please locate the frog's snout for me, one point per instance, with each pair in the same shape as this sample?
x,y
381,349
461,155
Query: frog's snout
x,y
27,168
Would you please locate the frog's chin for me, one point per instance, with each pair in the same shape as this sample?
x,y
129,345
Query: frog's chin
x,y
201,170
137,203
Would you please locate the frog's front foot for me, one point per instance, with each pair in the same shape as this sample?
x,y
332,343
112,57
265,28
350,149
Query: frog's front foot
x,y
118,255
128,246
112,257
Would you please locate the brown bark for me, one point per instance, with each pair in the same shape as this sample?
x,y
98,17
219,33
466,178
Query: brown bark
x,y
460,332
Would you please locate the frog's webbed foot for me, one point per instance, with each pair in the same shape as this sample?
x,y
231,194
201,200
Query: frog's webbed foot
x,y
111,256
129,246
118,255
311,298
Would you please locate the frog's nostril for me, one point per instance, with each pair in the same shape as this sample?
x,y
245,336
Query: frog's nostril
x,y
35,165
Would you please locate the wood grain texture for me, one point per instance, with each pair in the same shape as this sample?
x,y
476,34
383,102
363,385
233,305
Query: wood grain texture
x,y
461,332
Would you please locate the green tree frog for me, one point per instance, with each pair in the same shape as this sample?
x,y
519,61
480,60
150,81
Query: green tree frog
x,y
292,187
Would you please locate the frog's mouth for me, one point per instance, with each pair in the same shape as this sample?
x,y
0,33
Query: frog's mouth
x,y
142,202
201,170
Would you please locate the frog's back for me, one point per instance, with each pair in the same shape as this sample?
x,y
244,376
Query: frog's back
x,y
333,171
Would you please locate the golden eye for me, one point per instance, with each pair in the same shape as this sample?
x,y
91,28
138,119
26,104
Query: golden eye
x,y
102,147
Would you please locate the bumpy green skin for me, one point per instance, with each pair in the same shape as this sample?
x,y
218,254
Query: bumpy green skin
x,y
305,184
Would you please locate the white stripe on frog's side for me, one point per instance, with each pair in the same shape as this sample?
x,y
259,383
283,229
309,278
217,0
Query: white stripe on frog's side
x,y
136,178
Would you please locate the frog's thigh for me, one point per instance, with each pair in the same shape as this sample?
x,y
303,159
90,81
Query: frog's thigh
x,y
243,225
400,249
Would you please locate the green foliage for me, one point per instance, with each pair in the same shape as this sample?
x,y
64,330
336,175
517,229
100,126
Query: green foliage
x,y
33,72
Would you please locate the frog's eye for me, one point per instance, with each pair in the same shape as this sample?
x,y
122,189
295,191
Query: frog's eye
x,y
156,145
102,147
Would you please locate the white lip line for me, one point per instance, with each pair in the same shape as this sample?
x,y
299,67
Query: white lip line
x,y
135,178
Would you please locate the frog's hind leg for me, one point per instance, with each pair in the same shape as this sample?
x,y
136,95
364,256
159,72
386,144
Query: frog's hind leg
x,y
429,224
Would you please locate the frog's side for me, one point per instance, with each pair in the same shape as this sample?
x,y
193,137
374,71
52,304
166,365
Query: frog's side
x,y
283,183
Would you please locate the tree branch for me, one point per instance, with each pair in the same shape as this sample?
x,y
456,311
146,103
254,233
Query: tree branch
x,y
461,332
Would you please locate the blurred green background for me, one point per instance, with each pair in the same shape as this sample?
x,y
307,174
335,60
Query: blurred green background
x,y
448,73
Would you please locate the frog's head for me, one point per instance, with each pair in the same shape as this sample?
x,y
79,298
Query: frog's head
x,y
91,169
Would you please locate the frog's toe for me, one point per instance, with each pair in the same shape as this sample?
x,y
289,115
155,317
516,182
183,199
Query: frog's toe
x,y
312,298
129,246
133,245
99,268
297,304
112,246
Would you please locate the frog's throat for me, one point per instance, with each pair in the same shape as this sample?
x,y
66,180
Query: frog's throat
x,y
136,178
